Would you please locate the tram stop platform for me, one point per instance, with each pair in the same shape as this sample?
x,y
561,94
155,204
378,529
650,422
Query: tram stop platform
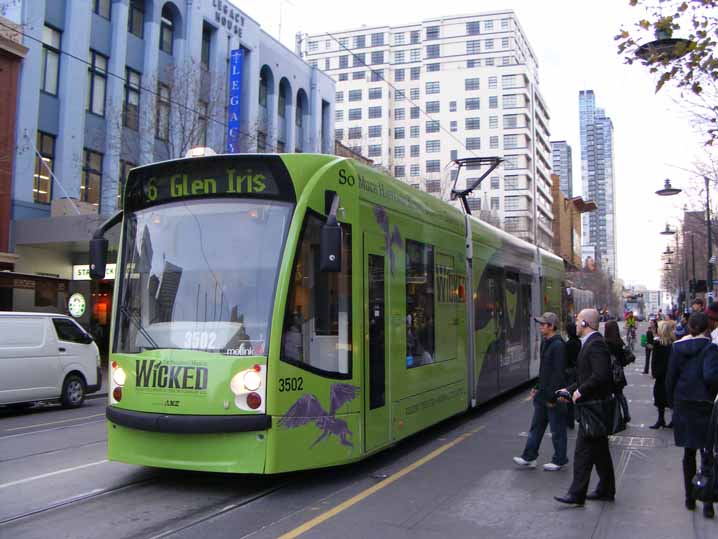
x,y
459,481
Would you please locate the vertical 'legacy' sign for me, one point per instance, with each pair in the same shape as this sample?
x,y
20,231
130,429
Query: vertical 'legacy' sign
x,y
235,98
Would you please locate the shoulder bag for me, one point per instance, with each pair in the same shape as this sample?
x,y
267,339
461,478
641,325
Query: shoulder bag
x,y
705,482
598,418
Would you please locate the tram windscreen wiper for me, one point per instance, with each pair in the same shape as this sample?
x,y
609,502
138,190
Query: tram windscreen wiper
x,y
138,324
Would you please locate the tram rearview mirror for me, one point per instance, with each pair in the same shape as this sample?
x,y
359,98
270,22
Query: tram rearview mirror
x,y
98,258
330,247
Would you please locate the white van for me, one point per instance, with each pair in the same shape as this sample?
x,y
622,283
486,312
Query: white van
x,y
46,356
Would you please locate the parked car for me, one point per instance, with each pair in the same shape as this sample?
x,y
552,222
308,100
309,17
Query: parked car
x,y
46,357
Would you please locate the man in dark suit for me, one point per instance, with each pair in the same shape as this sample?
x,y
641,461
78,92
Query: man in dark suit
x,y
594,382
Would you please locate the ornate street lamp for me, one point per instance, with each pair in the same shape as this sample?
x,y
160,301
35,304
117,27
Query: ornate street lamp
x,y
667,190
668,231
665,48
668,250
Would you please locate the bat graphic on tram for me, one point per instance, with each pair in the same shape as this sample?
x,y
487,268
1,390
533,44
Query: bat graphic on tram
x,y
284,312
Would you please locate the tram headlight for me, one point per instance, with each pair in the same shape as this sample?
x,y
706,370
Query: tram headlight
x,y
119,376
252,381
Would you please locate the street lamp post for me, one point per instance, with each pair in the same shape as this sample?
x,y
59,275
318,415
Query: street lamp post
x,y
709,269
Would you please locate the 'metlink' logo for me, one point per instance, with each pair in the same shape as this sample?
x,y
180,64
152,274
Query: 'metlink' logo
x,y
152,373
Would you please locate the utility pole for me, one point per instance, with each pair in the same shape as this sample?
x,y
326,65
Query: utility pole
x,y
709,272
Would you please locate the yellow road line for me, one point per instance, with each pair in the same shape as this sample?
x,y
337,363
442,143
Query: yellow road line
x,y
296,532
54,422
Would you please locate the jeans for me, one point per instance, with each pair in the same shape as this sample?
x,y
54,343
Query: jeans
x,y
543,416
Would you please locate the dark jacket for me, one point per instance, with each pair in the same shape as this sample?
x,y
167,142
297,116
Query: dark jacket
x,y
551,372
616,351
691,385
593,370
573,347
659,360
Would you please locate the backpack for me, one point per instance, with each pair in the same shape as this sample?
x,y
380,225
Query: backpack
x,y
619,377
628,354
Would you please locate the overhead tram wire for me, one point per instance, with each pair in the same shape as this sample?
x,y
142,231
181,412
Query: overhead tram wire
x,y
381,75
120,77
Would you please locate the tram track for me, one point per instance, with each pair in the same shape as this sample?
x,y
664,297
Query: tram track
x,y
52,451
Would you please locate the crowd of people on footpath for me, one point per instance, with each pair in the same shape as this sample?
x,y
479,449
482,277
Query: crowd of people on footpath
x,y
588,368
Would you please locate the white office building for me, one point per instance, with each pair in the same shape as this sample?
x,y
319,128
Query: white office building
x,y
415,97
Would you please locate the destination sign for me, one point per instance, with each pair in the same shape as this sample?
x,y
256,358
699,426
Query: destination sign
x,y
233,176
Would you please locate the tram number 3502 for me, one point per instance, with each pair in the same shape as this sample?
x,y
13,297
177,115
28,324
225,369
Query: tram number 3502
x,y
291,384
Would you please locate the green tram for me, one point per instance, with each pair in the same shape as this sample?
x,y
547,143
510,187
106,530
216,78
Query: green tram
x,y
285,312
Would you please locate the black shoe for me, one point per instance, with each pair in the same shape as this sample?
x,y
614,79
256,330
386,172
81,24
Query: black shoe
x,y
708,510
597,496
568,499
657,425
690,504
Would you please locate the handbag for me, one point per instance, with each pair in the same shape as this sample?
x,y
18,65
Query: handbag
x,y
596,418
619,419
705,482
619,377
630,357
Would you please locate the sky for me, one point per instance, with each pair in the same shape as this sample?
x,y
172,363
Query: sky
x,y
573,41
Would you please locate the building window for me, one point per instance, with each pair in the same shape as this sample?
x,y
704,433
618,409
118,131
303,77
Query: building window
x,y
511,183
374,131
472,103
339,134
358,60
203,122
433,146
377,39
374,93
511,121
374,150
360,41
414,113
415,55
400,171
471,84
474,203
358,75
339,115
167,31
399,114
263,88
313,46
415,37
374,112
494,203
453,126
433,186
488,25
472,123
433,107
354,133
42,179
400,152
377,57
505,24
206,47
339,97
473,63
355,95
102,8
473,143
343,77
399,57
511,203
473,46
493,102
504,42
433,51
399,133
136,18
344,61
414,94
131,113
494,143
511,101
473,28
452,106
511,141
432,88
415,73
399,75
91,177
489,61
96,83
125,167
511,162
433,165
432,126
430,68
399,95
493,120
414,150
50,60
492,83
414,131
377,75
162,128
495,182
399,38
432,32
354,114
343,42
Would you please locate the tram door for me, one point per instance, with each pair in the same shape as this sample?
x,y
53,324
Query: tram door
x,y
377,425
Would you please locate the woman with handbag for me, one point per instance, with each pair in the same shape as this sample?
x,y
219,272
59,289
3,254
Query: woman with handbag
x,y
662,344
650,335
691,386
616,346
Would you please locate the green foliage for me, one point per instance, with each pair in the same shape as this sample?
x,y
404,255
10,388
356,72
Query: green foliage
x,y
677,41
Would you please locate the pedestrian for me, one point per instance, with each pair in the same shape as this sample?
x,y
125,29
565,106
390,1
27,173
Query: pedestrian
x,y
593,382
698,305
681,329
650,334
547,411
659,316
691,386
612,336
662,346
573,347
712,313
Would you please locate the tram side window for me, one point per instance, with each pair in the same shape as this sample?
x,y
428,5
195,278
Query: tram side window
x,y
317,321
420,341
485,301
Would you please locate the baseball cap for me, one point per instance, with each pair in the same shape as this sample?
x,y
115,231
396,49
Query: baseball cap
x,y
712,311
548,318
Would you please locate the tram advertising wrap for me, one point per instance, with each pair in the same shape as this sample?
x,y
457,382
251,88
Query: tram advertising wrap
x,y
236,348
